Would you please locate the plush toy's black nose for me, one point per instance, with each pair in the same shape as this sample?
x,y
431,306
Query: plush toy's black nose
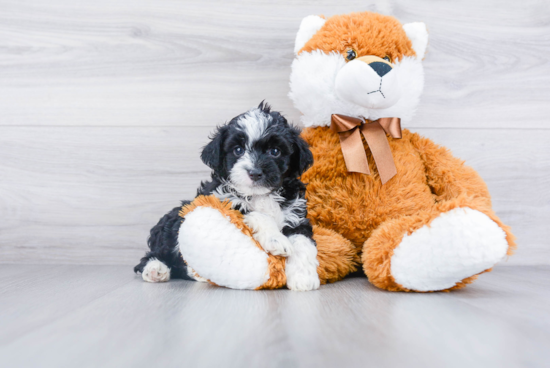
x,y
255,174
380,68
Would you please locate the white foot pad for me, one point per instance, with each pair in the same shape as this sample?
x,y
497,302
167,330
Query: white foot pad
x,y
457,244
218,251
155,271
301,266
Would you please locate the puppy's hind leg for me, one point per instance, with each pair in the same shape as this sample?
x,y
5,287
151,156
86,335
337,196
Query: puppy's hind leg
x,y
163,261
155,271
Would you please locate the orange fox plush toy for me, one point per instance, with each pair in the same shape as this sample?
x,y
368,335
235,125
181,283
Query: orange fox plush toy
x,y
412,215
420,218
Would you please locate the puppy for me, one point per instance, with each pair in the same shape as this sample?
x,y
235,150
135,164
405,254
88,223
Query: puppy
x,y
257,159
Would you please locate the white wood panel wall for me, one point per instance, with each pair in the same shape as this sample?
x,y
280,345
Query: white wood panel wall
x,y
104,106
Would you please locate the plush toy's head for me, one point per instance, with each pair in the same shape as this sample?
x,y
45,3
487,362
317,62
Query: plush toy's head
x,y
360,64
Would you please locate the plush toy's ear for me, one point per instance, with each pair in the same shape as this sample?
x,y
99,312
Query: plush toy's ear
x,y
309,26
212,153
418,34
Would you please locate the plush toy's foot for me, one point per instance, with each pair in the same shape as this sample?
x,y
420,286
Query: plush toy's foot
x,y
457,244
155,271
219,247
301,266
448,253
220,252
194,275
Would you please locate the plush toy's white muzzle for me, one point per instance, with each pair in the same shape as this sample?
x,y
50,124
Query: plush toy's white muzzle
x,y
370,82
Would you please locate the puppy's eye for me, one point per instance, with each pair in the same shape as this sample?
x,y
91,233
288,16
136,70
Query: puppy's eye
x,y
274,152
351,54
238,151
387,58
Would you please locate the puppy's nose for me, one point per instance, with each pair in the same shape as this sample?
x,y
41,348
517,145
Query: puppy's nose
x,y
255,174
380,68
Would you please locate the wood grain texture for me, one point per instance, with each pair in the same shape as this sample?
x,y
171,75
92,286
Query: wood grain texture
x,y
182,63
90,195
104,107
103,316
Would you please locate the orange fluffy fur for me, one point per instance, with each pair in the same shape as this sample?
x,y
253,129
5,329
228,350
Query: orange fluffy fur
x,y
356,219
337,256
429,180
375,217
366,33
276,264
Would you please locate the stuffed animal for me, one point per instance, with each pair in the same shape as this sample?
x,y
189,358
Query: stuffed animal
x,y
219,247
412,215
419,218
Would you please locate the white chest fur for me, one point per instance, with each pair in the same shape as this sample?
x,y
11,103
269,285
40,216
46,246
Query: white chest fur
x,y
268,205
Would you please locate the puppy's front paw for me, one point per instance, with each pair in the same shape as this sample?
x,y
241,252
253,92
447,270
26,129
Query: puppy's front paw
x,y
301,267
277,244
303,282
301,276
155,271
267,234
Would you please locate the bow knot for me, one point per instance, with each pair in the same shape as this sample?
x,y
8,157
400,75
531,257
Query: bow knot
x,y
349,130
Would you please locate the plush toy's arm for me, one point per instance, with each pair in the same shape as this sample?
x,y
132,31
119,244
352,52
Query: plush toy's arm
x,y
447,175
455,184
217,244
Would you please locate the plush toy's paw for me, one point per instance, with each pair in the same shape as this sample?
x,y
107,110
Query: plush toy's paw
x,y
155,271
219,251
456,245
268,234
301,266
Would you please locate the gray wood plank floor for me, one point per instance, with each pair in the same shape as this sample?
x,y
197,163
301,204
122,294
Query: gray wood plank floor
x,y
104,316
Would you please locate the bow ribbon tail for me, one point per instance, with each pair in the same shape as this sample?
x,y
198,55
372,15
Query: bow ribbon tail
x,y
353,151
392,126
375,135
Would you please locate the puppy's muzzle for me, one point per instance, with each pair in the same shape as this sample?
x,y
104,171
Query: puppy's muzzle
x,y
368,81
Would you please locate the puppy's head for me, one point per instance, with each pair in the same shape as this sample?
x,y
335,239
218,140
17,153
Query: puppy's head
x,y
256,151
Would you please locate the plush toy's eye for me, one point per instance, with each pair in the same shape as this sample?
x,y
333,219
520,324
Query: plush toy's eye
x,y
351,54
238,151
274,152
387,58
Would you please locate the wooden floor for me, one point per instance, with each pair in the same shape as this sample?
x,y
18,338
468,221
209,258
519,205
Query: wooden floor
x,y
104,316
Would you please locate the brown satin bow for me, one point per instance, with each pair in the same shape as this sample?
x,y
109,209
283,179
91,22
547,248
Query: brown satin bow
x,y
348,129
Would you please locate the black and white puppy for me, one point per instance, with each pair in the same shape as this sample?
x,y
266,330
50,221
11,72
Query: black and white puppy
x,y
257,159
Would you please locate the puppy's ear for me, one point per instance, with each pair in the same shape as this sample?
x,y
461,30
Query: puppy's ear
x,y
302,158
212,153
264,107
